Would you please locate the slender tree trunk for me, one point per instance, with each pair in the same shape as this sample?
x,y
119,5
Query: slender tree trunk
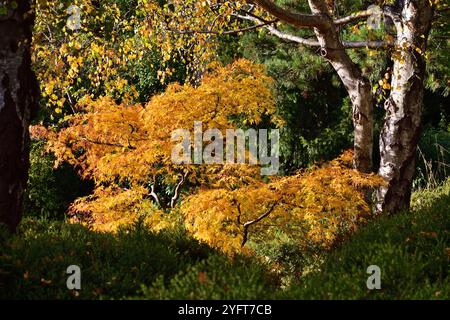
x,y
357,86
360,92
400,134
18,96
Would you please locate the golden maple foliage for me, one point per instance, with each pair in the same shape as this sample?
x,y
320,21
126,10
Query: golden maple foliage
x,y
318,205
126,150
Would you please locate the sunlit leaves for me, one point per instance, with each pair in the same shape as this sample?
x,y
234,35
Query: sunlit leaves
x,y
127,149
89,60
319,205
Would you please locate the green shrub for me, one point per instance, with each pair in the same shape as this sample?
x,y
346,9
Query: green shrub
x,y
411,248
283,256
112,266
50,191
215,278
33,263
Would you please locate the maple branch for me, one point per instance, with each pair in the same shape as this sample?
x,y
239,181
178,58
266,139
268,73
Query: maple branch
x,y
71,104
299,20
177,190
228,32
292,38
252,222
109,144
239,213
154,195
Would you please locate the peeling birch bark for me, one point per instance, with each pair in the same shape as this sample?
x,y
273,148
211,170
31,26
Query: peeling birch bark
x,y
401,130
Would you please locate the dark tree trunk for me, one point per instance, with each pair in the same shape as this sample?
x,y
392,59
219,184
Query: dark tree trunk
x,y
401,131
18,100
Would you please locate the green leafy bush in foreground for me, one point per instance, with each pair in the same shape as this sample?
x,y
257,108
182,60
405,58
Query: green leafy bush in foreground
x,y
412,249
33,264
50,191
215,278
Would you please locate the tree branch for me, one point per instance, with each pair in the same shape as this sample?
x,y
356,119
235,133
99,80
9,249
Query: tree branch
x,y
252,222
377,44
229,32
278,33
353,17
154,195
239,213
314,43
177,190
292,38
108,144
298,20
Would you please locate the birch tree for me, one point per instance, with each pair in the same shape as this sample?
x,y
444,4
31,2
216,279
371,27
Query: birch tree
x,y
195,22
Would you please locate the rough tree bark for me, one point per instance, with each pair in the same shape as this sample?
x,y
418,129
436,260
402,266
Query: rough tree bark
x,y
333,49
398,139
400,134
357,86
18,97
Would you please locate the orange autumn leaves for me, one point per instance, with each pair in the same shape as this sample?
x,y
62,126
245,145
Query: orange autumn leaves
x,y
126,150
316,206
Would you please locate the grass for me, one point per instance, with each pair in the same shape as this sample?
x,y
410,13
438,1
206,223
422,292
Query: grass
x,y
411,248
